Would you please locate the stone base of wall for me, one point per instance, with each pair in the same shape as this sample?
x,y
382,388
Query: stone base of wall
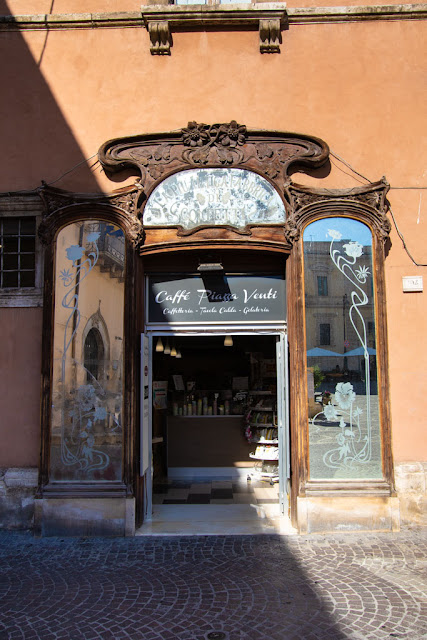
x,y
116,516
85,517
340,514
411,487
17,489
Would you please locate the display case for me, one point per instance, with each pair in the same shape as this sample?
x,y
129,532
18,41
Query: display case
x,y
205,426
207,402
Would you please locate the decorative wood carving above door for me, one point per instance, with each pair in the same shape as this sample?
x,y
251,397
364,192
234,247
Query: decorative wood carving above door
x,y
219,148
215,149
269,153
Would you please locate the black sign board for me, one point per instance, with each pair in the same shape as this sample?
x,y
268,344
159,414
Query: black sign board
x,y
216,298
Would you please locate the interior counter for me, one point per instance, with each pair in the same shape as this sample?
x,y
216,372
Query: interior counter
x,y
207,441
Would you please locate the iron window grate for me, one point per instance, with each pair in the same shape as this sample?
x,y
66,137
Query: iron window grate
x,y
17,252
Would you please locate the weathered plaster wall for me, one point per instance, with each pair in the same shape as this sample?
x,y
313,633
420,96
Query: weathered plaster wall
x,y
20,366
17,488
411,485
347,83
360,86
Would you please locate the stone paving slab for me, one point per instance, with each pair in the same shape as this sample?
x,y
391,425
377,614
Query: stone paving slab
x,y
335,587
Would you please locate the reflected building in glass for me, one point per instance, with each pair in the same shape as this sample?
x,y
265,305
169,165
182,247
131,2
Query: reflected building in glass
x,y
341,355
88,353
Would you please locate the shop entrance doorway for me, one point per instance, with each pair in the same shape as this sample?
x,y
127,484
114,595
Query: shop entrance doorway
x,y
214,432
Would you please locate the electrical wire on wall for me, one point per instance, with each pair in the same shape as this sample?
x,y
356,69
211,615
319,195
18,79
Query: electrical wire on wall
x,y
398,231
72,169
334,155
48,184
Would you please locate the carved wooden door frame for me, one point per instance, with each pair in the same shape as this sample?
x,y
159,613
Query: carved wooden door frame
x,y
272,155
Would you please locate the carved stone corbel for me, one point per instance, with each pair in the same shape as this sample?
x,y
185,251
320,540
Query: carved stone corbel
x,y
270,36
269,18
160,37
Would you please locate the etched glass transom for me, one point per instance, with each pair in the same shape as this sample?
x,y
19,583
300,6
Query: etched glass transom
x,y
210,197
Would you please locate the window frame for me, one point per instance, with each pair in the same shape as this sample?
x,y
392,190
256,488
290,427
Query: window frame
x,y
328,331
320,206
322,286
24,207
133,325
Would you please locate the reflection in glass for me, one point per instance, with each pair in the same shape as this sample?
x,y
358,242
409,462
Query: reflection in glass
x,y
212,196
344,430
87,393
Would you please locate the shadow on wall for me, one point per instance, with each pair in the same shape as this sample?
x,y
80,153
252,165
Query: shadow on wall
x,y
36,139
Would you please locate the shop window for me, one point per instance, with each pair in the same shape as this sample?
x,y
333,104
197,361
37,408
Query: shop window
x,y
322,285
87,392
18,252
344,428
325,334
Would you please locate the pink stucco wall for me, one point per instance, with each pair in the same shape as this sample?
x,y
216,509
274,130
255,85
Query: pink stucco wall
x,y
20,365
359,86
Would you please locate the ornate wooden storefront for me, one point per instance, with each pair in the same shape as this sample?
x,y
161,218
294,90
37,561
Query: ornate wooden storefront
x,y
89,474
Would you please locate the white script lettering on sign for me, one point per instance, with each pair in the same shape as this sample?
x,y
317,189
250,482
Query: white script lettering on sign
x,y
198,197
231,298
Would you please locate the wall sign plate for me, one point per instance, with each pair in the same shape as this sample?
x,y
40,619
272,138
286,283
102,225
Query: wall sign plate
x,y
412,284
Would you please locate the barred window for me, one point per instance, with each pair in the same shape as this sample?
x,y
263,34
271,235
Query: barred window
x,y
17,252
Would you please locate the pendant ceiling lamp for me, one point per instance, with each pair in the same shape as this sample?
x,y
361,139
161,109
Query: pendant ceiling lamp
x,y
173,352
159,345
228,341
167,348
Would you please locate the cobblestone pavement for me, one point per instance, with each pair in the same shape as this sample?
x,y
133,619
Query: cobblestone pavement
x,y
346,587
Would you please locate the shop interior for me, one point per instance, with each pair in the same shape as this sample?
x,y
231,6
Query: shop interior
x,y
215,434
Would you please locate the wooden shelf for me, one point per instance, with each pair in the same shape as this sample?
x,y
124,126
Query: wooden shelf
x,y
228,415
255,457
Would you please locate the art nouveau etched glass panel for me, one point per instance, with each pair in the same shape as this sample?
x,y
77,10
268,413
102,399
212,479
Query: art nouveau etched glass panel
x,y
198,197
87,392
344,427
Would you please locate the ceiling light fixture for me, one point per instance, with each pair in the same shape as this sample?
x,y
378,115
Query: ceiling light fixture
x,y
210,266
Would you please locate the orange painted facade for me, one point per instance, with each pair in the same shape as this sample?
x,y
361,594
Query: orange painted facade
x,y
359,85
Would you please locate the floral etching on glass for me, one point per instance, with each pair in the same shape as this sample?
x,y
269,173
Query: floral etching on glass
x,y
352,415
87,397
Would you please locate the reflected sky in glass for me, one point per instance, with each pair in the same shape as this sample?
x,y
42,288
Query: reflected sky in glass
x,y
350,229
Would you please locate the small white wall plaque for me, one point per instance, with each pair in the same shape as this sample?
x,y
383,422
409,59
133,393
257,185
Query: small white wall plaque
x,y
412,283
